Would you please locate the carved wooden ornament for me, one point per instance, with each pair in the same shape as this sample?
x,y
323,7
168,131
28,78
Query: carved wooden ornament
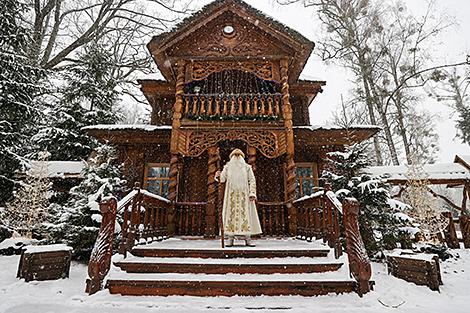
x,y
269,143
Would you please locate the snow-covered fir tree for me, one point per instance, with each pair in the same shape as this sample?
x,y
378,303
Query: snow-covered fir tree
x,y
79,220
379,223
29,207
89,97
20,83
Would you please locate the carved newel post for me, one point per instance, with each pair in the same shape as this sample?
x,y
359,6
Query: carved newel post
x,y
100,259
359,263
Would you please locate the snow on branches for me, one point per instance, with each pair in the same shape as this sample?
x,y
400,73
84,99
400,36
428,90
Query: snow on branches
x,y
29,207
423,206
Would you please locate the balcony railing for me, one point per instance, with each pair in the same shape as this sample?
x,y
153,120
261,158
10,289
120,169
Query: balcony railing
x,y
232,106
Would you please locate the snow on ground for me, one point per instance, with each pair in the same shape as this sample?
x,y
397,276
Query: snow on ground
x,y
390,295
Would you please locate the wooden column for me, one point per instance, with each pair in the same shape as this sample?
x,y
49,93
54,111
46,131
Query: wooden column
x,y
465,218
212,167
290,164
252,157
175,158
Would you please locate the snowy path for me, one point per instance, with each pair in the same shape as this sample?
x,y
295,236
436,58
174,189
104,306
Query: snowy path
x,y
68,296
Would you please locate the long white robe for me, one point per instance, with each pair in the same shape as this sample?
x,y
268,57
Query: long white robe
x,y
239,213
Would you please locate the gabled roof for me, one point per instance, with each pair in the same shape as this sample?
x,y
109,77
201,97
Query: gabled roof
x,y
285,35
463,160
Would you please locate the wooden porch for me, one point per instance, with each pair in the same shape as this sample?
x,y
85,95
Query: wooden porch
x,y
146,244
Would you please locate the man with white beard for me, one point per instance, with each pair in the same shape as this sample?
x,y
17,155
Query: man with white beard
x,y
239,214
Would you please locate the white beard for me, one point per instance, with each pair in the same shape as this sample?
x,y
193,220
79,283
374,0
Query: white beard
x,y
237,173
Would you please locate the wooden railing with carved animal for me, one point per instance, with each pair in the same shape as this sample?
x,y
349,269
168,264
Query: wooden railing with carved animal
x,y
232,106
319,215
144,219
359,263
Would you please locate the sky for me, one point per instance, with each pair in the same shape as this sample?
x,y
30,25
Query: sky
x,y
453,46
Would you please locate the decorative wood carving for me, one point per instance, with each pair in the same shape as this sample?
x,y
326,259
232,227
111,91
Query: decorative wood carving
x,y
212,167
178,108
100,260
246,40
359,263
269,143
199,70
252,157
290,164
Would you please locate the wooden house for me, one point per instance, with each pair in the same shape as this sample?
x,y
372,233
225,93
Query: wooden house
x,y
231,81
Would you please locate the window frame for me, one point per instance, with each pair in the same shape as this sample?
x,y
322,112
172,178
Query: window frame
x,y
160,179
301,179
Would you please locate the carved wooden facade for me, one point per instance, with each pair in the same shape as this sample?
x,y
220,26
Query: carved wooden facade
x,y
231,81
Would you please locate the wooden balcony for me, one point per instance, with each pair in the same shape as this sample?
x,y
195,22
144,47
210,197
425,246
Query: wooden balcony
x,y
221,107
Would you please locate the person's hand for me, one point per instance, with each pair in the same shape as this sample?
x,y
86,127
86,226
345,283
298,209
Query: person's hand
x,y
252,198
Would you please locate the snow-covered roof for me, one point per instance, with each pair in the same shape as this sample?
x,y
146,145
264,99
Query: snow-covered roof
x,y
330,127
62,169
432,172
463,159
144,127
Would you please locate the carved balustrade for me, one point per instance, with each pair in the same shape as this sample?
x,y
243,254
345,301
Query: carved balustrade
x,y
232,106
144,219
273,218
191,217
318,216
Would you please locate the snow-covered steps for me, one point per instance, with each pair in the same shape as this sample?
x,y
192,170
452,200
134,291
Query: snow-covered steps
x,y
230,265
266,248
202,268
227,253
224,287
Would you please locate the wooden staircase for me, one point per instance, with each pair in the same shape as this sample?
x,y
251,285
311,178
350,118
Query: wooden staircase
x,y
152,262
200,268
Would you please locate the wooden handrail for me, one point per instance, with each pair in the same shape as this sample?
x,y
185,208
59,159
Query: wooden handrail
x,y
144,218
359,263
100,259
319,217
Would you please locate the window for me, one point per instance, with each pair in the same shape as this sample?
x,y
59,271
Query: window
x,y
157,178
307,179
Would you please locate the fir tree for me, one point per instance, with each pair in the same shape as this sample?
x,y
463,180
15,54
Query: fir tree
x,y
30,203
380,228
79,219
20,83
89,98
